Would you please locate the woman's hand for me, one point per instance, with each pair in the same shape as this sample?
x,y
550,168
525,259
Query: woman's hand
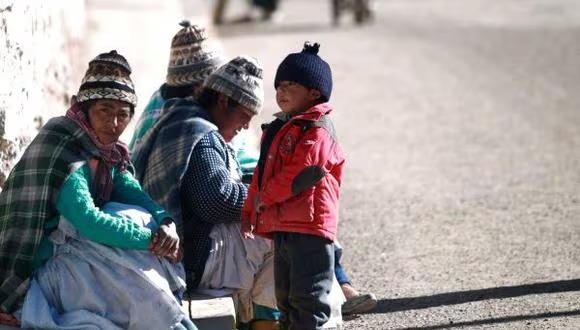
x,y
165,242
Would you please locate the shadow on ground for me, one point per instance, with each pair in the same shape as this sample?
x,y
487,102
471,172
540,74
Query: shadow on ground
x,y
460,297
497,320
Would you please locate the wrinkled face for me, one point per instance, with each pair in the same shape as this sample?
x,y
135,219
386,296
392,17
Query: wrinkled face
x,y
109,118
293,98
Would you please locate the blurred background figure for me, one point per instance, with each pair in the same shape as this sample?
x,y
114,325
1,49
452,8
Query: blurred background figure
x,y
218,11
258,10
268,10
360,8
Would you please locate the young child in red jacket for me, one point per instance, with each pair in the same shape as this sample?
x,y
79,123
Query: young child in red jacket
x,y
294,194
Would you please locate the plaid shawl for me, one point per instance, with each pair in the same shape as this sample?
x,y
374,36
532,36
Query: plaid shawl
x,y
28,198
163,157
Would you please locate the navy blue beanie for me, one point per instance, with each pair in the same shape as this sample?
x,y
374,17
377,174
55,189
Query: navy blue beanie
x,y
307,69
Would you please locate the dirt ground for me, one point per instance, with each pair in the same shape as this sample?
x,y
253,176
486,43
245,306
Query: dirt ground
x,y
460,203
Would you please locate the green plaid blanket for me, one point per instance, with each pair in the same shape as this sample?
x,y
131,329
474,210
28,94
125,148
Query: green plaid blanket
x,y
28,198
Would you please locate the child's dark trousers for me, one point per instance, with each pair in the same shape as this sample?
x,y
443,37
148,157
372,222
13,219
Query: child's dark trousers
x,y
303,272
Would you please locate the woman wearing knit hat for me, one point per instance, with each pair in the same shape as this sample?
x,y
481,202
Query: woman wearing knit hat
x,y
294,195
76,229
186,165
192,58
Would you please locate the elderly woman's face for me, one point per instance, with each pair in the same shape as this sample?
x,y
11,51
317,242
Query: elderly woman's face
x,y
109,118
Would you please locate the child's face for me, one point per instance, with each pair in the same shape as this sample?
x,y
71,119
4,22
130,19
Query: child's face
x,y
293,98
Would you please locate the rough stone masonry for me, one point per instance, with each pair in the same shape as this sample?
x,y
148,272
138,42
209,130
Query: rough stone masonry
x,y
40,42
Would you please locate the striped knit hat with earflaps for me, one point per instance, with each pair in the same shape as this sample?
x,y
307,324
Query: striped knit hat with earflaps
x,y
108,77
241,80
191,59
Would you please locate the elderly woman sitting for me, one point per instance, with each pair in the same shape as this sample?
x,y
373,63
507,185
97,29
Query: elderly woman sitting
x,y
81,245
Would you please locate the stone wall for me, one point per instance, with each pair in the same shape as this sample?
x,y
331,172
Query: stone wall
x,y
40,44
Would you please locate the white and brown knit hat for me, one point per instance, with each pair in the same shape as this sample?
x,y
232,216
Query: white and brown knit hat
x,y
241,80
108,77
192,58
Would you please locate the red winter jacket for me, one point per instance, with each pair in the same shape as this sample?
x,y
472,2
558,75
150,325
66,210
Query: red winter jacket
x,y
300,180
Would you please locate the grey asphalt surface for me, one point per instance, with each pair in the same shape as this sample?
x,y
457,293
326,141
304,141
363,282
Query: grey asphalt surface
x,y
460,120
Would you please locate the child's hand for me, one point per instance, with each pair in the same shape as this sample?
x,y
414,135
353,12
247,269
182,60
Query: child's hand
x,y
259,205
247,230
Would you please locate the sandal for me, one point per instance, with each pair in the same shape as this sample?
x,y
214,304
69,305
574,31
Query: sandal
x,y
361,303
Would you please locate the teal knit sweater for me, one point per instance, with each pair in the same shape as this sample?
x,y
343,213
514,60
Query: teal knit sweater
x,y
75,203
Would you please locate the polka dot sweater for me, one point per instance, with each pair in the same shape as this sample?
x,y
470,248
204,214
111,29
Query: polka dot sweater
x,y
211,192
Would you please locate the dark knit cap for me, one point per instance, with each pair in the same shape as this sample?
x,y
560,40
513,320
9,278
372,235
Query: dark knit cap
x,y
108,77
307,69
